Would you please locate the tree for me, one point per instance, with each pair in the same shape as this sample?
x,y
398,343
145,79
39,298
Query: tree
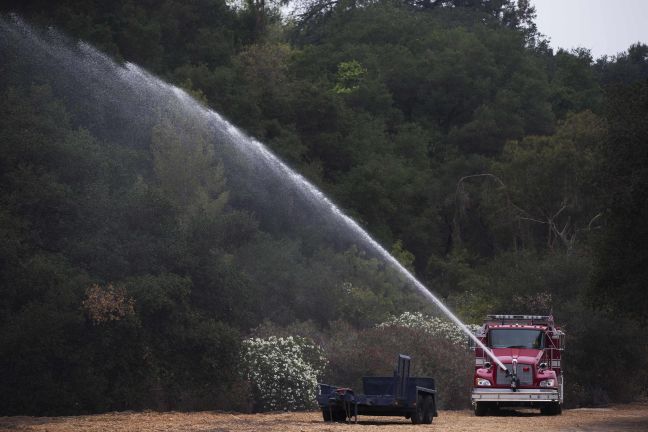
x,y
187,169
621,274
574,85
540,188
624,68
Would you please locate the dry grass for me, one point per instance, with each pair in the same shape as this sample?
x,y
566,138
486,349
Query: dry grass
x,y
626,418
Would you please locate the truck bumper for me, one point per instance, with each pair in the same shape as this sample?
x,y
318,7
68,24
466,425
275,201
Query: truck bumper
x,y
507,395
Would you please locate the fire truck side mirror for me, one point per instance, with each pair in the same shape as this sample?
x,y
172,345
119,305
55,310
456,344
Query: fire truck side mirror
x,y
471,344
559,338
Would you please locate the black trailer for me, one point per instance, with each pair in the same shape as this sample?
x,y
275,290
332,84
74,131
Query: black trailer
x,y
398,395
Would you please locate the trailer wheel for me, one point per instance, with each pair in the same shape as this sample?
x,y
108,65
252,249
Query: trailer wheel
x,y
339,415
334,414
428,409
418,415
326,414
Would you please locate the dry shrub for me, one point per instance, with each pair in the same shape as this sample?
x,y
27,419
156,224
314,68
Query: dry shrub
x,y
107,304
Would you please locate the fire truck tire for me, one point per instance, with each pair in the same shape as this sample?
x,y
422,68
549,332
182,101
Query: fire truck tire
x,y
552,409
428,409
481,409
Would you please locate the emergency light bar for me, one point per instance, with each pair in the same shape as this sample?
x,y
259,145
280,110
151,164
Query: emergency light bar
x,y
524,317
547,320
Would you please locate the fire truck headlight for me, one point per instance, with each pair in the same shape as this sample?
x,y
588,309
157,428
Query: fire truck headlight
x,y
483,382
547,383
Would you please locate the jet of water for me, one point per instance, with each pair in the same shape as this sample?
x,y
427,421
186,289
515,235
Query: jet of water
x,y
273,161
128,95
256,149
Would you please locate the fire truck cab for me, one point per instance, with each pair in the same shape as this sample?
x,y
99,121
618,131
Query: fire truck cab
x,y
530,347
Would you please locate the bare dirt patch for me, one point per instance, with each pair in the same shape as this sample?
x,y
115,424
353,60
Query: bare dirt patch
x,y
624,418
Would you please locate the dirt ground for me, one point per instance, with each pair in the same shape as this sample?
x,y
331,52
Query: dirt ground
x,y
625,418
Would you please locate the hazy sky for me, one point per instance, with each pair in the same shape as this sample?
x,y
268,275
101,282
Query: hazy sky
x,y
603,26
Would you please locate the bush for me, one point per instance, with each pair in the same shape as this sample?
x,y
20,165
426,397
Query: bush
x,y
282,372
605,359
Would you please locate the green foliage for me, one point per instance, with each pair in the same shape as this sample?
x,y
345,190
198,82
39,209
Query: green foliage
x,y
405,257
627,67
349,76
574,84
548,179
595,341
160,37
620,276
187,170
539,193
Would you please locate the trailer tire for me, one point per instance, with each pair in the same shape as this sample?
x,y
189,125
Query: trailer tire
x,y
418,415
339,416
326,414
334,414
427,409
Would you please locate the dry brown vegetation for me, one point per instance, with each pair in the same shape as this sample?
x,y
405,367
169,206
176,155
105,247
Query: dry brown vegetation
x,y
626,418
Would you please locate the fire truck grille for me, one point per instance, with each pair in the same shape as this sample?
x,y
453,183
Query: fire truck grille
x,y
524,373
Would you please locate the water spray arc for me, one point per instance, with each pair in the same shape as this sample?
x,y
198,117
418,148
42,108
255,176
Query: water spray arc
x,y
129,94
303,183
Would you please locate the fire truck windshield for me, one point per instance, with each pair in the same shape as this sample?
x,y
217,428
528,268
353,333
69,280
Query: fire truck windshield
x,y
516,338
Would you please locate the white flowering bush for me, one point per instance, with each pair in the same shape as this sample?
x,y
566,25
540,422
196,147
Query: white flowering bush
x,y
431,325
282,371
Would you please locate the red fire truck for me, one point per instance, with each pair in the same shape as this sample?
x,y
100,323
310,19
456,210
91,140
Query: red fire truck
x,y
530,347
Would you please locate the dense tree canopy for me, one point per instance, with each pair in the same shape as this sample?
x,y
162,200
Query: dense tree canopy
x,y
621,274
132,263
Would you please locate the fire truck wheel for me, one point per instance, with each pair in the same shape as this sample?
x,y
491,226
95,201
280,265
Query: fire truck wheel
x,y
481,409
551,409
